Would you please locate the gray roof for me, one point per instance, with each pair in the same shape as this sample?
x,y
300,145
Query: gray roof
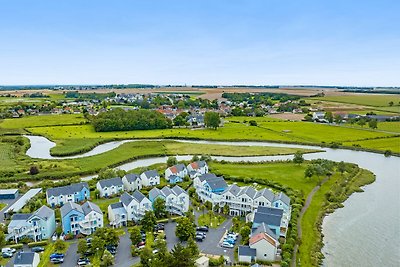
x,y
66,190
44,212
282,196
233,189
178,190
247,251
118,208
263,228
155,192
248,190
88,206
201,163
116,205
216,183
166,191
138,195
269,219
21,216
207,176
24,258
179,167
126,199
67,207
269,210
151,173
111,182
132,177
268,194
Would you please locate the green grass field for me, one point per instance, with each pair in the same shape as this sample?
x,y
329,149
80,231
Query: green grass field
x,y
364,99
44,120
384,144
210,219
390,126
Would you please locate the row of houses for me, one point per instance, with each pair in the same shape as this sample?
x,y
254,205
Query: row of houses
x,y
132,207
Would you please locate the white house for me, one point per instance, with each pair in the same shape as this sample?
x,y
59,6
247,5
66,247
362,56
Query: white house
x,y
132,182
26,259
197,168
135,205
58,196
117,215
209,187
178,170
176,199
246,254
93,218
110,187
39,225
265,242
150,178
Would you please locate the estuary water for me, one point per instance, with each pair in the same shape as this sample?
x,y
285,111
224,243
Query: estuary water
x,y
366,232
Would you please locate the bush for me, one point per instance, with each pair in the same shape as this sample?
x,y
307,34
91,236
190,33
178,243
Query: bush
x,y
38,244
17,246
34,170
388,153
134,251
217,262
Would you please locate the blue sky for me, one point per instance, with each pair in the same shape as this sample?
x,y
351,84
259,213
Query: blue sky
x,y
200,42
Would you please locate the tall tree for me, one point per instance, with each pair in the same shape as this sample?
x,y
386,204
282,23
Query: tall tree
x,y
107,259
328,116
135,235
185,229
82,246
171,161
298,157
373,124
159,208
149,221
212,120
245,232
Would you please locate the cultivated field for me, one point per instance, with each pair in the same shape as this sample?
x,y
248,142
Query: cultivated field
x,y
364,99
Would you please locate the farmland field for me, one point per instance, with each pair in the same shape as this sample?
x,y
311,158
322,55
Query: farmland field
x,y
392,144
44,120
363,99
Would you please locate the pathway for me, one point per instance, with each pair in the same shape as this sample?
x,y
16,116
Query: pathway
x,y
303,210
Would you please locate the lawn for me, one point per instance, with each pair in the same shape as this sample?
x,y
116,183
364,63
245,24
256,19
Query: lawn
x,y
392,144
288,174
45,256
103,204
75,137
390,126
43,120
210,219
364,99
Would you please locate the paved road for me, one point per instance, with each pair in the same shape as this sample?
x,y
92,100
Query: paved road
x,y
71,256
123,257
303,210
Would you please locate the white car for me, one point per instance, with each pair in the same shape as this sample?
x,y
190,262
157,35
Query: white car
x,y
227,245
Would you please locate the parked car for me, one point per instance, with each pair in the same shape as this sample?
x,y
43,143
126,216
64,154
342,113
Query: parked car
x,y
112,249
37,249
199,238
202,233
141,244
202,228
6,255
227,245
160,226
56,256
155,251
230,241
232,236
83,261
57,260
9,250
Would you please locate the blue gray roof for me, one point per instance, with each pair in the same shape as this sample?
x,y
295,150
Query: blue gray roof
x,y
151,173
24,258
132,177
269,210
126,199
269,219
179,167
138,195
88,206
155,192
216,182
233,189
66,190
166,191
247,251
249,191
116,205
111,182
283,197
118,208
21,216
207,176
268,194
263,228
67,207
178,190
44,212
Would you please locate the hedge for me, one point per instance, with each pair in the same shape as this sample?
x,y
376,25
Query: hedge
x,y
39,243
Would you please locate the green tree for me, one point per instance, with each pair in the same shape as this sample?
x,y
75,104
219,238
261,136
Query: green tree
x,y
107,259
391,103
149,221
181,256
159,208
225,210
193,248
171,161
82,246
309,172
338,119
185,229
146,257
98,244
195,158
373,124
59,245
361,122
298,157
245,232
97,193
135,235
212,120
328,116
2,239
341,167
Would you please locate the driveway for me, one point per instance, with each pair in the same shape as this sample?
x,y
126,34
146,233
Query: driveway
x,y
123,257
210,245
71,256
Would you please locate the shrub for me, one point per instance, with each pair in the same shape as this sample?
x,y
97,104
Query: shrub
x,y
34,170
39,243
17,246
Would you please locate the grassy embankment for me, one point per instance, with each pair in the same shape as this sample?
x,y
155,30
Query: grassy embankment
x,y
45,256
290,175
72,139
17,163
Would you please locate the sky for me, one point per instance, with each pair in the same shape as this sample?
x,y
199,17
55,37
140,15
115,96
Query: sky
x,y
193,42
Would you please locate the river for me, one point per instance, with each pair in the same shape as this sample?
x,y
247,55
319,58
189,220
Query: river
x,y
366,232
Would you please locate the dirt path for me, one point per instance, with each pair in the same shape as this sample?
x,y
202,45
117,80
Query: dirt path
x,y
303,210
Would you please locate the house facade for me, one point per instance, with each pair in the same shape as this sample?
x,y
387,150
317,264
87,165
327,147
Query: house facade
x,y
110,187
176,199
176,173
83,219
58,196
117,215
135,205
150,178
132,182
197,168
38,226
209,187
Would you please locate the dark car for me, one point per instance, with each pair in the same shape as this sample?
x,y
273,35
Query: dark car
x,y
160,226
141,244
83,261
88,253
112,249
6,255
37,249
199,238
202,228
57,260
57,256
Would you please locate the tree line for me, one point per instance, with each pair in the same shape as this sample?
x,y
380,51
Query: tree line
x,y
121,120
